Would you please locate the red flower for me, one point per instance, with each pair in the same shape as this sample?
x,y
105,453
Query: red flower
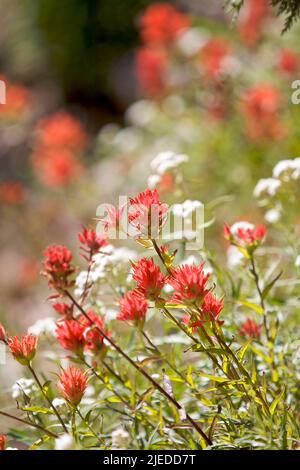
x,y
210,311
190,283
112,219
162,23
70,335
252,20
58,267
150,280
245,234
133,307
72,384
61,130
23,349
146,214
288,61
17,101
251,329
260,106
92,243
11,192
2,441
94,341
63,309
151,70
2,333
213,57
56,166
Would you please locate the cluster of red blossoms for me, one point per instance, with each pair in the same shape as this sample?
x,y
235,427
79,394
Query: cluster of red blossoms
x,y
59,140
260,106
91,242
23,349
245,235
58,267
252,21
251,329
72,384
17,101
160,26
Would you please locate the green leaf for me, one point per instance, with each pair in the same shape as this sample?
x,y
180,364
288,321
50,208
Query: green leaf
x,y
38,409
218,351
243,350
255,307
270,285
215,378
274,404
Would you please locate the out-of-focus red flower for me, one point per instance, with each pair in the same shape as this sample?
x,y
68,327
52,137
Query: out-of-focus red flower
x,y
70,335
91,242
260,106
3,335
252,18
288,62
245,234
11,192
72,384
61,130
56,167
2,441
64,309
189,283
147,214
23,349
29,272
133,307
17,101
94,341
162,23
58,267
149,278
250,329
213,57
151,70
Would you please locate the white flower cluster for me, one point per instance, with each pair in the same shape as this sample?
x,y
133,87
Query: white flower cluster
x,y
120,439
111,261
187,213
43,326
162,163
266,190
22,386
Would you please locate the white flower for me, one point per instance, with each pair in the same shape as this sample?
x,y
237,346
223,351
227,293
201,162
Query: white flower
x,y
64,442
127,139
272,216
191,41
22,385
153,181
120,439
186,219
142,113
234,257
287,169
267,186
297,262
165,161
43,326
59,402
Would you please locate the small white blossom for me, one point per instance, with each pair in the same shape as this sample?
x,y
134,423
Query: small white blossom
x,y
191,41
272,216
22,385
234,257
43,326
297,262
120,439
267,187
142,113
165,161
153,181
64,442
287,169
59,402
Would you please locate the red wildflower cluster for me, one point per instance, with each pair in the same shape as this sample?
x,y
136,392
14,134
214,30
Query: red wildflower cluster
x,y
288,62
91,242
17,101
23,349
58,267
250,329
151,70
245,235
11,192
210,310
260,106
133,307
214,56
72,384
112,218
146,214
2,441
94,341
70,335
64,309
189,283
252,21
161,24
59,139
150,280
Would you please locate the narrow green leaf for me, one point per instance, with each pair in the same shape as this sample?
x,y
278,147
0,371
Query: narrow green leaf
x,y
274,404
